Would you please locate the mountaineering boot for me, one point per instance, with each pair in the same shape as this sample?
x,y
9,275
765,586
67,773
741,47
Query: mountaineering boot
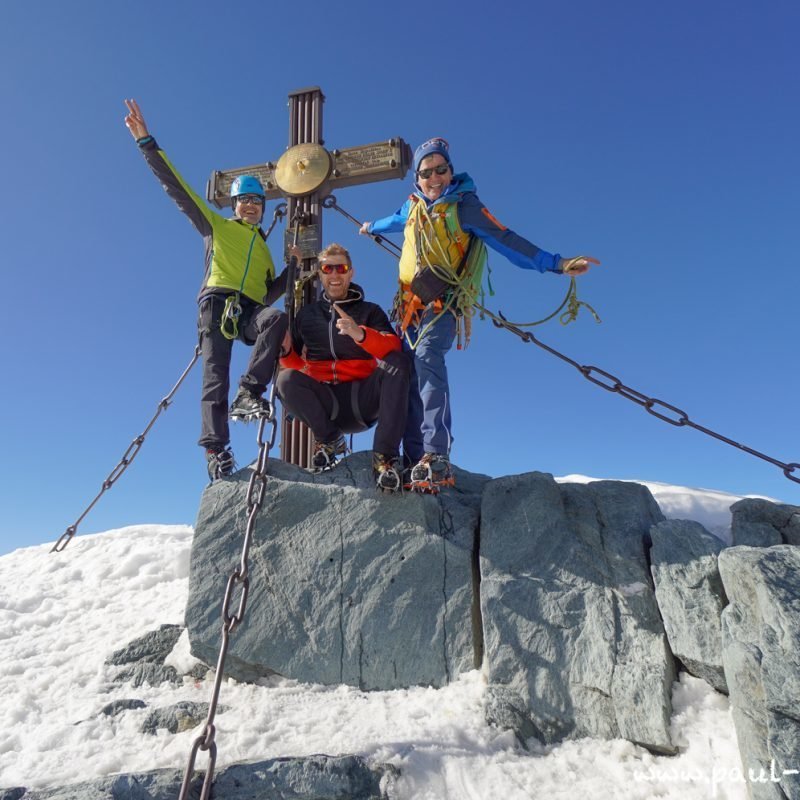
x,y
387,471
220,462
247,405
431,473
326,454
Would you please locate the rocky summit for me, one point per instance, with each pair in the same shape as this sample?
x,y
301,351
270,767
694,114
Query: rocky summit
x,y
556,590
579,602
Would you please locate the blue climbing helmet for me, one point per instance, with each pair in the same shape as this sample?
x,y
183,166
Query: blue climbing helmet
x,y
245,184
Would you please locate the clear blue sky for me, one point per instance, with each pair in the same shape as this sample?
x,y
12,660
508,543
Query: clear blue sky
x,y
660,138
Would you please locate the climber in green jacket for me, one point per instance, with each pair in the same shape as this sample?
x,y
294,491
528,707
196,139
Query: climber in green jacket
x,y
238,285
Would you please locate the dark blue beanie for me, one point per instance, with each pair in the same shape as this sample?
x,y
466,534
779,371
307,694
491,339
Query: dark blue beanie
x,y
429,148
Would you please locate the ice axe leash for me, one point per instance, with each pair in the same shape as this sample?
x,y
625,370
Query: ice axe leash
x,y
666,412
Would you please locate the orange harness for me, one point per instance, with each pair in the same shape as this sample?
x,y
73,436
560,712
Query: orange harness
x,y
410,307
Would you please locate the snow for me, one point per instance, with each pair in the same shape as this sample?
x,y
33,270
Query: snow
x,y
709,507
62,614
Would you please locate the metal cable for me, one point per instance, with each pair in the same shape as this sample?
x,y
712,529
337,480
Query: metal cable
x,y
280,213
238,579
674,416
136,444
605,380
126,459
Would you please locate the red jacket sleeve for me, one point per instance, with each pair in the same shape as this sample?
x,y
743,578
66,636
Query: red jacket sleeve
x,y
378,343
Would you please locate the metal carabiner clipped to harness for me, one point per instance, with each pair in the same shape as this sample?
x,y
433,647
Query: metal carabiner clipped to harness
x,y
229,324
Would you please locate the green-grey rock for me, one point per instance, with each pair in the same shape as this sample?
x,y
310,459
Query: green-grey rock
x,y
761,655
182,716
154,646
347,585
573,639
317,777
690,596
118,706
761,523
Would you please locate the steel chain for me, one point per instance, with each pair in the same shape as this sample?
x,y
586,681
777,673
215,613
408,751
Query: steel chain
x,y
127,458
136,444
239,578
606,380
678,417
280,213
387,244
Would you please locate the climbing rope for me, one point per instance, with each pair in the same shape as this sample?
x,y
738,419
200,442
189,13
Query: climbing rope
x,y
239,580
605,380
570,301
294,287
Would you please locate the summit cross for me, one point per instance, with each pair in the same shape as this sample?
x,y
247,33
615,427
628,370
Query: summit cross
x,y
305,175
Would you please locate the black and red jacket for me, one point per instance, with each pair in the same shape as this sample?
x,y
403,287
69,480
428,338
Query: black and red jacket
x,y
331,357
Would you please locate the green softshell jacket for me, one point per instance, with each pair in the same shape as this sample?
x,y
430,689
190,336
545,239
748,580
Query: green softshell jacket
x,y
236,256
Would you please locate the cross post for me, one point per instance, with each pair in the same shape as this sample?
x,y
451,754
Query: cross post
x,y
305,175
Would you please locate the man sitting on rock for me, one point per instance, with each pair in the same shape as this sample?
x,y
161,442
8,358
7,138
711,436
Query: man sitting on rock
x,y
347,371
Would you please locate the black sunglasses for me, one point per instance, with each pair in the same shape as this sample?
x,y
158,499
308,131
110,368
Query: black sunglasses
x,y
426,173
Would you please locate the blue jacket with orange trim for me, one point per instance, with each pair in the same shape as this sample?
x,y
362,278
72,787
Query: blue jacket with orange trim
x,y
477,220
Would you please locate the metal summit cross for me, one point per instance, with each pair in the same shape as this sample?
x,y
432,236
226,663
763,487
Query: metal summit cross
x,y
305,175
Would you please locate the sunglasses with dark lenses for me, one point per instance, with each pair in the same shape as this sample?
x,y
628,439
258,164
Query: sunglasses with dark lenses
x,y
329,269
257,199
426,173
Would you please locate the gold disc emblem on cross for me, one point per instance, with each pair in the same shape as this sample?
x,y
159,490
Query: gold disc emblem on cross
x,y
303,169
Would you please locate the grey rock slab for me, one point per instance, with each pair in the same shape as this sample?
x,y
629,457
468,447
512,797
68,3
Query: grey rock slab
x,y
115,708
690,596
147,672
313,778
182,716
761,655
118,706
317,777
347,585
155,785
153,646
762,523
574,643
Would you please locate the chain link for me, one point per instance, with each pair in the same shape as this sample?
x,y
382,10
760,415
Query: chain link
x,y
136,444
611,383
280,213
127,458
239,579
387,244
599,377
